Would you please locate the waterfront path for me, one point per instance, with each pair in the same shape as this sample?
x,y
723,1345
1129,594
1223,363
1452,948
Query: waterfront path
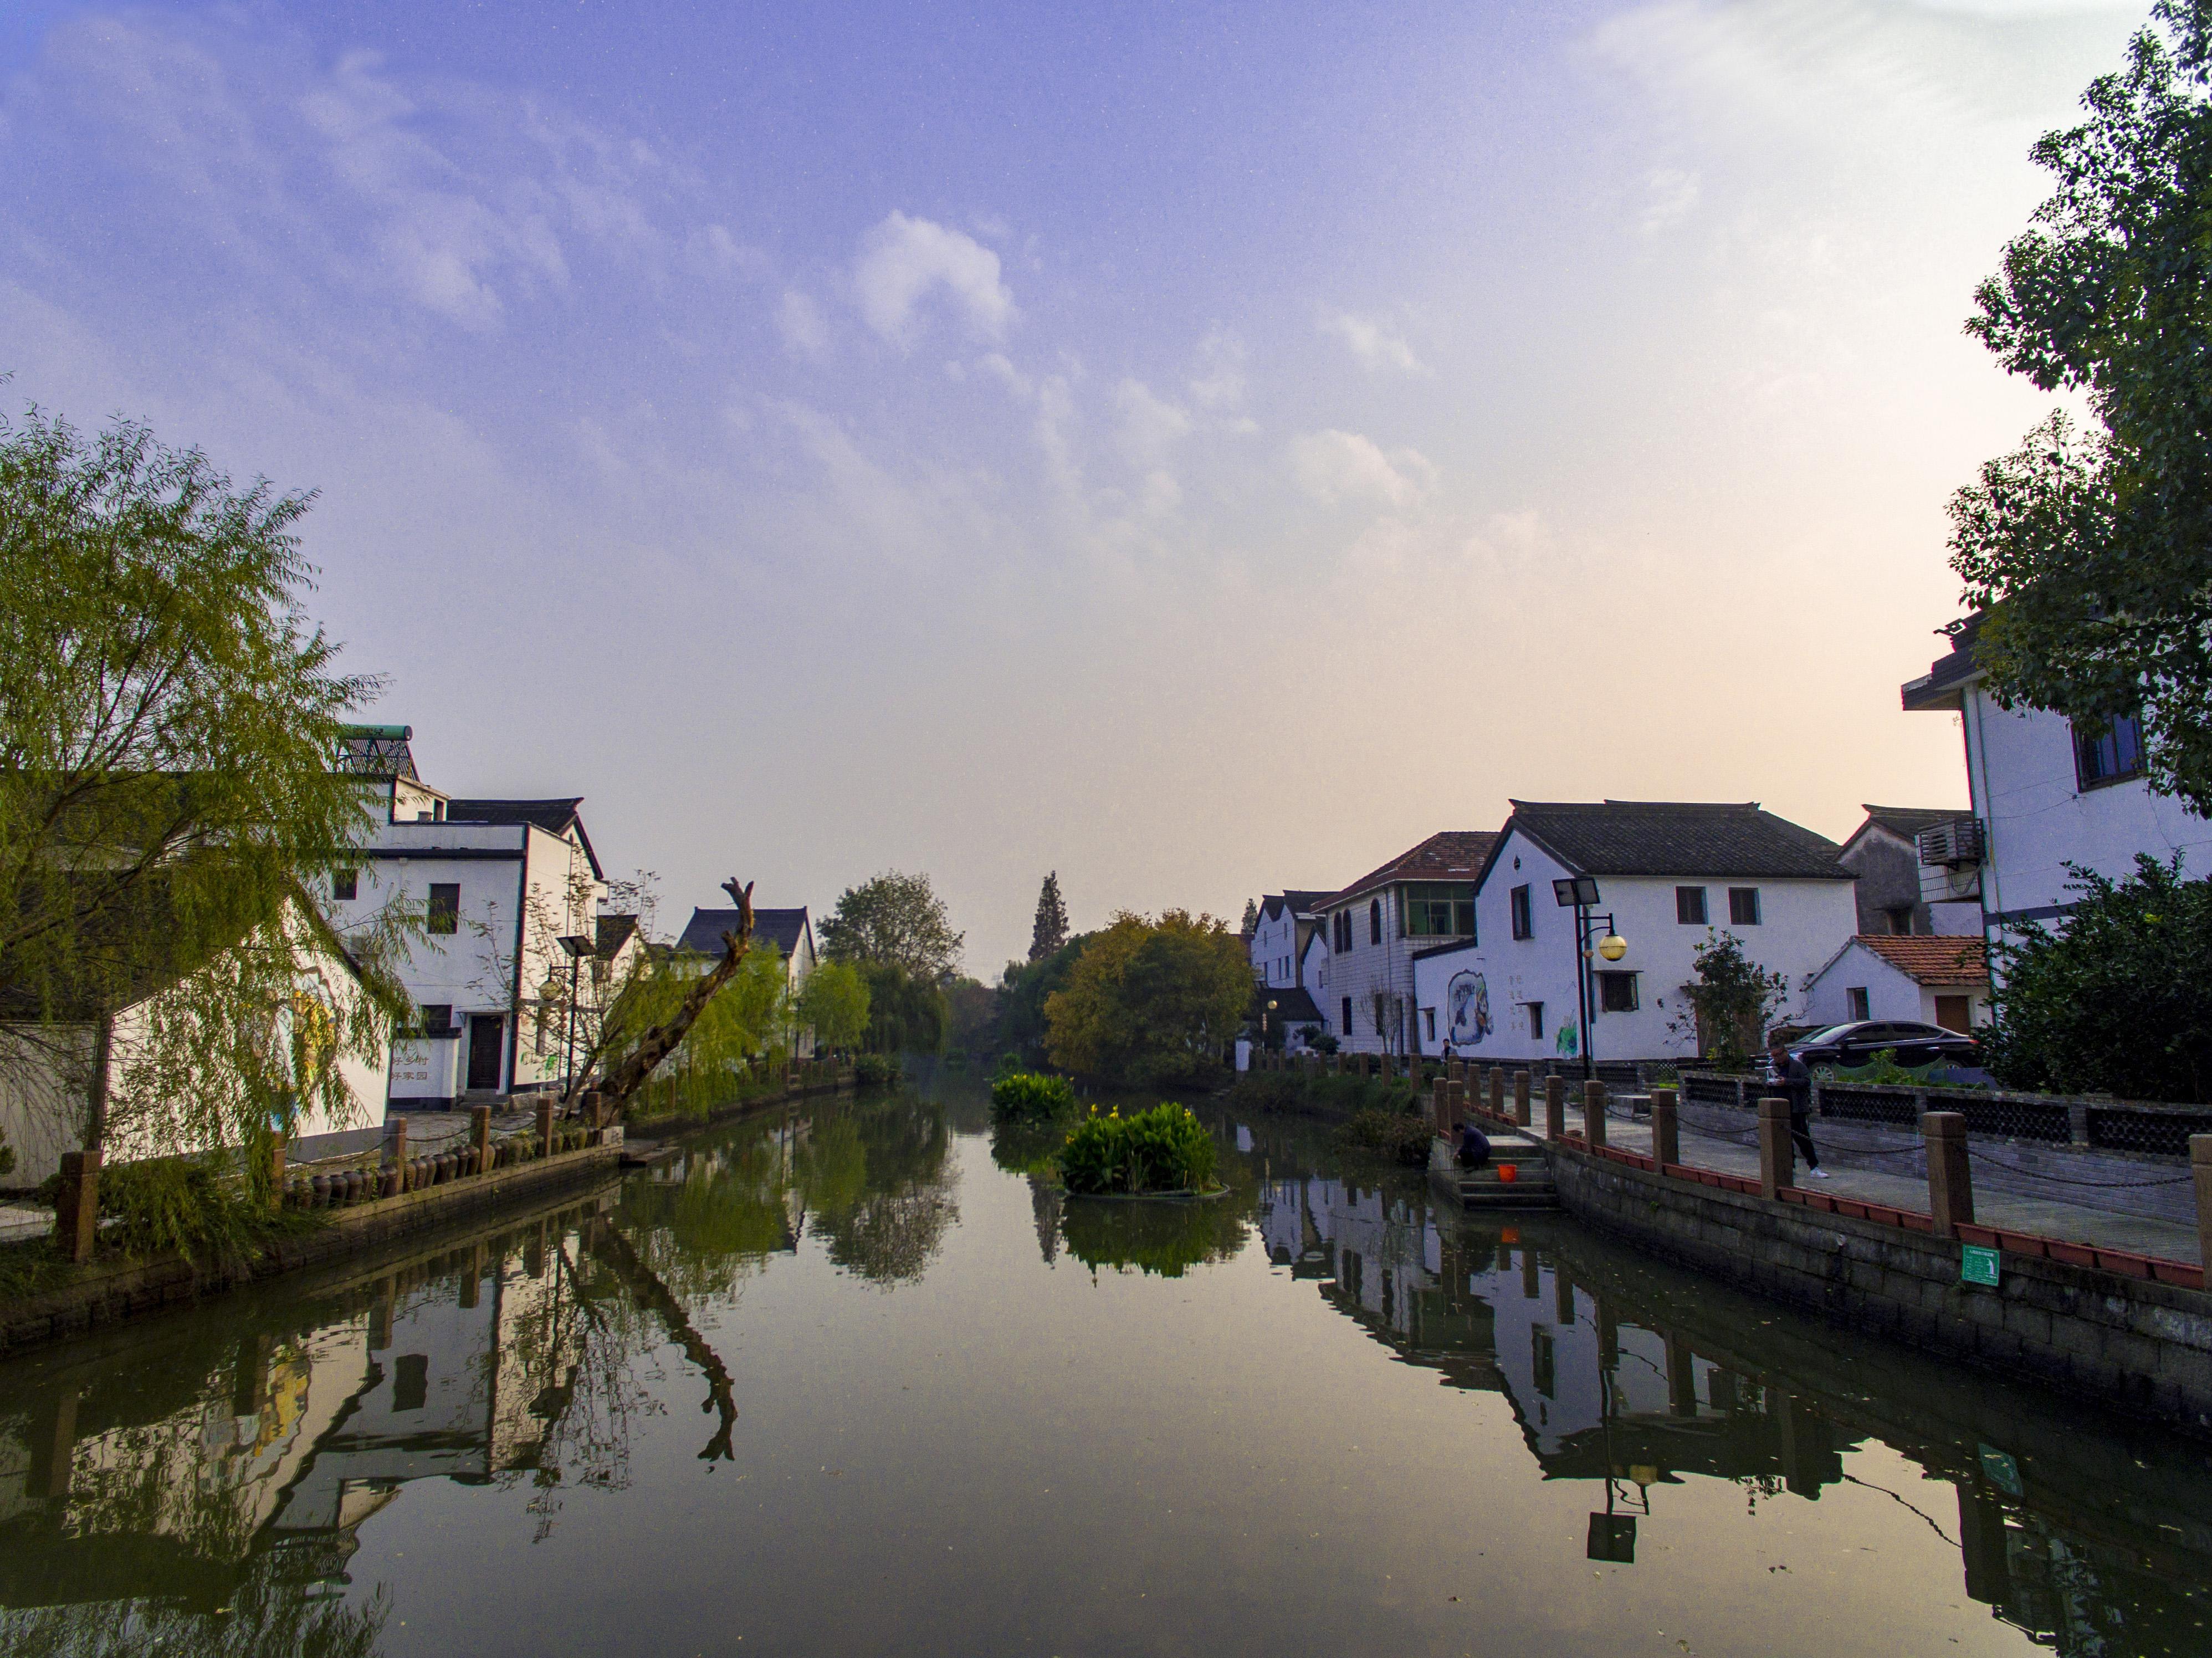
x,y
1877,1178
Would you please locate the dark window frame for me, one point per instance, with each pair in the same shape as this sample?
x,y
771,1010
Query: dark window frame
x,y
1688,900
2107,749
1743,899
1535,1021
345,885
1524,913
443,916
1617,990
1374,922
1857,1004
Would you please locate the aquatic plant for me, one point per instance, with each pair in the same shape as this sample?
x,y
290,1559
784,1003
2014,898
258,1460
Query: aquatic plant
x,y
1028,1097
1398,1134
1165,1149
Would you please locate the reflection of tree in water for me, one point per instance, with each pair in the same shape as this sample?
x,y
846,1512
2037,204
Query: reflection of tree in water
x,y
889,1226
1163,1238
1027,1148
611,1246
267,1616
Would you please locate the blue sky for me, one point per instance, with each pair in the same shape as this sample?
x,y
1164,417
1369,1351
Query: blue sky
x,y
1198,450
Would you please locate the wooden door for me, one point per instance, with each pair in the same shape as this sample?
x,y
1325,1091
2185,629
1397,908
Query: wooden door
x,y
486,1031
1955,1013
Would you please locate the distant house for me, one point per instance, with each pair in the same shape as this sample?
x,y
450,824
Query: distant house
x,y
1278,940
501,881
1670,874
1941,980
791,930
1377,925
1884,853
2046,791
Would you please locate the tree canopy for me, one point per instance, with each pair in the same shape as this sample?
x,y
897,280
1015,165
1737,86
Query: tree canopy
x,y
1150,1001
1050,931
897,920
833,1003
2090,548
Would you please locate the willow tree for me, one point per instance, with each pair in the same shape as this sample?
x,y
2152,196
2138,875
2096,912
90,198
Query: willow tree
x,y
172,728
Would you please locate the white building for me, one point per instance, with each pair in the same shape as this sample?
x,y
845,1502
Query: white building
x,y
1377,925
2046,791
791,932
1670,875
1278,944
1884,853
501,883
1938,981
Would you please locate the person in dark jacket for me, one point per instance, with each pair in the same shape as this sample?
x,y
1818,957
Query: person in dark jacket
x,y
1473,1146
1791,1076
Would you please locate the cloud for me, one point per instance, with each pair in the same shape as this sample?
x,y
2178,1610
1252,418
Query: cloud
x,y
1150,425
806,331
1334,467
903,260
1669,194
1373,341
1219,381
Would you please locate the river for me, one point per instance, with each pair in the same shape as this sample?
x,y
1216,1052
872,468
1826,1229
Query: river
x,y
851,1379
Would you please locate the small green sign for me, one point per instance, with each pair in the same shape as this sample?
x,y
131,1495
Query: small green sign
x,y
1977,1264
1999,1469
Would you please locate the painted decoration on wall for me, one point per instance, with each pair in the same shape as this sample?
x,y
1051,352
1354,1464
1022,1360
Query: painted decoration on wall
x,y
1468,998
1569,1041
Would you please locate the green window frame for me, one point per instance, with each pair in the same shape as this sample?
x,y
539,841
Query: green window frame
x,y
1439,910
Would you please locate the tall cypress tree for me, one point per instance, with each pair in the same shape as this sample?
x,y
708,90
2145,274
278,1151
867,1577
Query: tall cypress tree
x,y
1050,931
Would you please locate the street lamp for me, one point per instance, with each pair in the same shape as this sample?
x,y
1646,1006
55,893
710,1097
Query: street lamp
x,y
1580,894
577,947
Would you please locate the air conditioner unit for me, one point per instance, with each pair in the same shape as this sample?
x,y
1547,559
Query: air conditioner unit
x,y
1954,844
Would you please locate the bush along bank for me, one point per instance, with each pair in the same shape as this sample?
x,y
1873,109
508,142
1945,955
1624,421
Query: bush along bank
x,y
1402,1135
1326,1093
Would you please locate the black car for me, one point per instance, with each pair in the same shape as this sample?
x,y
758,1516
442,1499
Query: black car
x,y
1856,1043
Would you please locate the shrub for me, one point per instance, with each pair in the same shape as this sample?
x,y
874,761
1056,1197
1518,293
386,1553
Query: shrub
x,y
1026,1097
1165,1149
878,1071
1396,1134
180,1204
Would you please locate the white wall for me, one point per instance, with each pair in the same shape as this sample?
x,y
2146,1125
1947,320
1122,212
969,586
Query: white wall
x,y
1274,947
1802,923
2021,770
1892,993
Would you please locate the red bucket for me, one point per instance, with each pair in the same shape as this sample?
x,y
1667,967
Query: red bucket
x,y
1508,1173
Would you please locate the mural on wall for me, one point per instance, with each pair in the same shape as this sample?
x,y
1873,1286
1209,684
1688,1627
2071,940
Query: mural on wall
x,y
1468,998
1568,1045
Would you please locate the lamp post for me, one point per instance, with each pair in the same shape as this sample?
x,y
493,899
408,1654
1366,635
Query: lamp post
x,y
1580,894
577,947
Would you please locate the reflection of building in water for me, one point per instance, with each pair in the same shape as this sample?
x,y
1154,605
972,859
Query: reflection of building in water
x,y
136,1485
1609,1392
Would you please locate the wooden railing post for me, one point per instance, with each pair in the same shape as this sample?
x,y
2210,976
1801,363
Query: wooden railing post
x,y
545,1126
1777,1155
2200,1164
1666,1128
1555,1107
480,1137
1440,1106
1950,1180
1497,1091
1521,1097
1594,1111
76,1206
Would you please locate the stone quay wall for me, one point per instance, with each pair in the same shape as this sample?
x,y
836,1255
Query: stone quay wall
x,y
2138,1345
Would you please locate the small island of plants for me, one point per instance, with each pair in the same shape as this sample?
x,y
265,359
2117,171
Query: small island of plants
x,y
1164,1152
1028,1097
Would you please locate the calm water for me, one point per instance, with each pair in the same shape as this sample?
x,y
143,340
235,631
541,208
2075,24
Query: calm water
x,y
851,1381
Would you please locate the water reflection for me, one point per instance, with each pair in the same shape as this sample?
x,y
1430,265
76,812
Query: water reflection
x,y
1633,1377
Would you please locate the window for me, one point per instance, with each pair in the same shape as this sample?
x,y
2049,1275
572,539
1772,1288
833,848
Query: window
x,y
1900,919
345,885
1346,1026
1616,992
410,1386
1428,1024
1536,1020
2107,751
1855,1004
1374,922
1743,906
437,1016
1524,919
1340,931
445,907
1441,909
1690,906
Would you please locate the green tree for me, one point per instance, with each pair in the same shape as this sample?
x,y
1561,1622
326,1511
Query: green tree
x,y
171,788
833,1003
894,919
1050,931
2119,1003
906,1014
2091,550
1024,989
1728,1005
1150,1002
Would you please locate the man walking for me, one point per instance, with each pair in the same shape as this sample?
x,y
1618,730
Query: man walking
x,y
1791,1076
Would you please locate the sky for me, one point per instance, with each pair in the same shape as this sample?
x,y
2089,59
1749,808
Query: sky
x,y
1199,449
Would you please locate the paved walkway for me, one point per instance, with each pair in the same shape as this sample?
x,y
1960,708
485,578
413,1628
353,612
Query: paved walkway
x,y
1865,1178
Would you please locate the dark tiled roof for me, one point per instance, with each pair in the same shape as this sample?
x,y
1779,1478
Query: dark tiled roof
x,y
1907,822
1452,855
1301,903
1931,959
614,931
1293,1005
554,816
1668,837
1939,688
780,927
